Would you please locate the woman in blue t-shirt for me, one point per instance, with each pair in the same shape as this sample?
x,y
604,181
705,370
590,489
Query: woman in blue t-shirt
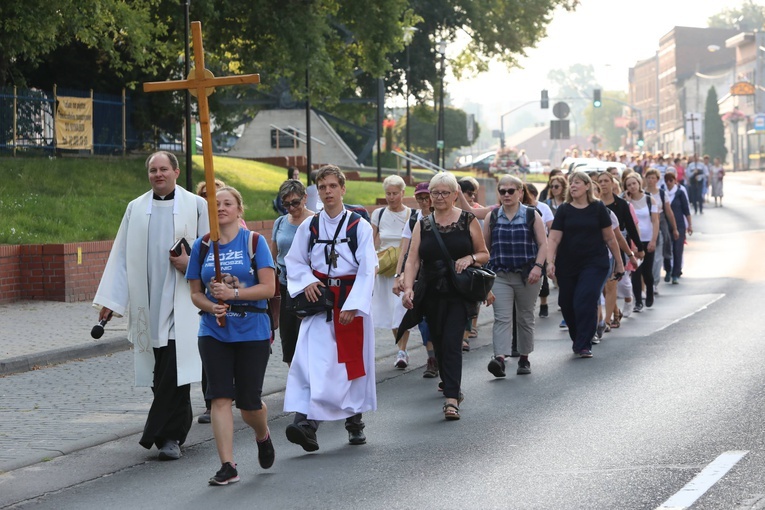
x,y
235,354
578,245
293,196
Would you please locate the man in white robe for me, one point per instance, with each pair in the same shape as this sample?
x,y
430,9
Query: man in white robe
x,y
332,375
145,281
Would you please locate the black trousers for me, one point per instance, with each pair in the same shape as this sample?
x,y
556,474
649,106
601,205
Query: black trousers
x,y
644,273
289,327
447,340
170,413
578,295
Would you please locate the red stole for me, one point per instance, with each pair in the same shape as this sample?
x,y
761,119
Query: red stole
x,y
349,337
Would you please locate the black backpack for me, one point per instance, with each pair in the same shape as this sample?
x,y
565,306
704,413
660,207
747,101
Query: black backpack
x,y
350,233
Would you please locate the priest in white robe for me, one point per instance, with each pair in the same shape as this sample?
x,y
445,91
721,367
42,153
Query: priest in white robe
x,y
332,375
145,281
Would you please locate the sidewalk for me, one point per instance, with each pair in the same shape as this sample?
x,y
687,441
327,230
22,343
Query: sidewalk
x,y
54,401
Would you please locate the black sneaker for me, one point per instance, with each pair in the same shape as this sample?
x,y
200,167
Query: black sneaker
x,y
638,308
667,276
649,301
302,435
266,453
431,371
543,311
497,367
524,367
226,474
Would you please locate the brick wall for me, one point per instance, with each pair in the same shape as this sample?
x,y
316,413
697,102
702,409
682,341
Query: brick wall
x,y
62,272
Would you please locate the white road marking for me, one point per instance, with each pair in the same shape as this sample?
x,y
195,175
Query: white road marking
x,y
690,314
702,482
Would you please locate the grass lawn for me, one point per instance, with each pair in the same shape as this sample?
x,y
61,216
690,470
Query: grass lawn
x,y
64,200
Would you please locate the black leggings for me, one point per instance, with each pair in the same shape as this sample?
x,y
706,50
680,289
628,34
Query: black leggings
x,y
451,314
644,273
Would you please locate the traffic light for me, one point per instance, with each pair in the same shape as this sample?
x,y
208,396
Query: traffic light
x,y
596,102
640,140
545,102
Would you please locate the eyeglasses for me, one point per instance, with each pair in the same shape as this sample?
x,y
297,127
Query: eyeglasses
x,y
508,191
440,194
422,198
294,203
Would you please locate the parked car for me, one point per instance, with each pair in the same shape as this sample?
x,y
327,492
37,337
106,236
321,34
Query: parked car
x,y
590,165
481,162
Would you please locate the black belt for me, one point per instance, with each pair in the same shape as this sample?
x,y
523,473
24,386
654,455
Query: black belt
x,y
243,309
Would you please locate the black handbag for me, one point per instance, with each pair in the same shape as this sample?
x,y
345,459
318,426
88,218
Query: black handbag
x,y
473,283
301,307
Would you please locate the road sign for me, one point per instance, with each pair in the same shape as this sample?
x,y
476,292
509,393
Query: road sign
x,y
759,122
561,110
650,124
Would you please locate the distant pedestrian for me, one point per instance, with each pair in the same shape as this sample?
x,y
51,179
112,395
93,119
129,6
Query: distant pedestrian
x,y
679,200
647,212
716,174
144,278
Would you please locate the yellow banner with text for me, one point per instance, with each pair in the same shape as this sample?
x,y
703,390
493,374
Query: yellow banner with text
x,y
74,123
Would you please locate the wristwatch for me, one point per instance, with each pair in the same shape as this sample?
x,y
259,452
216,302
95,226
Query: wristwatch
x,y
236,293
396,275
474,259
540,266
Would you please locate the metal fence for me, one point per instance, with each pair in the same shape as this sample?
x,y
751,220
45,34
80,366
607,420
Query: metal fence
x,y
27,122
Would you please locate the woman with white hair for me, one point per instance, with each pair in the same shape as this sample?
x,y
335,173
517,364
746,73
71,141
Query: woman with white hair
x,y
437,299
387,224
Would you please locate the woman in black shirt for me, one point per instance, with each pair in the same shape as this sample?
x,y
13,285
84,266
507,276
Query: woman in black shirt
x,y
579,237
444,309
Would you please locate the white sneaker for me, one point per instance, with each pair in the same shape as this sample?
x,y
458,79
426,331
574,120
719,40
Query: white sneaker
x,y
627,309
402,360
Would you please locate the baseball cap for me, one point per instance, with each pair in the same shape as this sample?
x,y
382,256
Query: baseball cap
x,y
421,188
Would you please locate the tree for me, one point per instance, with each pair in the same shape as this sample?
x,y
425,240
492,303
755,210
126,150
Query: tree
x,y
123,33
750,16
714,131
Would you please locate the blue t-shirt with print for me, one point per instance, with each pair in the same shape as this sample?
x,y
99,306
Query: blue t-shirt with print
x,y
234,259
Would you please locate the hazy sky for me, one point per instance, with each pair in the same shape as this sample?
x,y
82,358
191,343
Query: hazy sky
x,y
612,35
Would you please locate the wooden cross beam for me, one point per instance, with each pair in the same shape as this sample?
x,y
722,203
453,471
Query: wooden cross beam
x,y
202,84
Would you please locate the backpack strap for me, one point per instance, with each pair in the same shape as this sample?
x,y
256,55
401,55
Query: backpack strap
x,y
350,233
493,218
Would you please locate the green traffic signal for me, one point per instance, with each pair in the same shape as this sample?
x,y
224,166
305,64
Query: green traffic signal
x,y
596,102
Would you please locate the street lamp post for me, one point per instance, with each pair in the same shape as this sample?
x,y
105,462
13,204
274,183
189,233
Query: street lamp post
x,y
408,35
440,146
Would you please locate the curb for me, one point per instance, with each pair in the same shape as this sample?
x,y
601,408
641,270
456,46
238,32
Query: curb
x,y
28,362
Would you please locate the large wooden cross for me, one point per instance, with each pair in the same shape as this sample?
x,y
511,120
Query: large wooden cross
x,y
201,83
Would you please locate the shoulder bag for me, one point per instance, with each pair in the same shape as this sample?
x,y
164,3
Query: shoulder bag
x,y
473,283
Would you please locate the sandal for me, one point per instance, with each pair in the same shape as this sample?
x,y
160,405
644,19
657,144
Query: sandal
x,y
615,323
473,333
451,412
465,346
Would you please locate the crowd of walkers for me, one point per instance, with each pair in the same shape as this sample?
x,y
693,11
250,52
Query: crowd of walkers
x,y
326,279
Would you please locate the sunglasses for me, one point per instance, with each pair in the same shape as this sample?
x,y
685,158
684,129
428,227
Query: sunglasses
x,y
508,191
294,203
471,194
422,198
557,186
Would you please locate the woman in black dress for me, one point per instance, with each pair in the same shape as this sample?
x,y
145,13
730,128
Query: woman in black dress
x,y
434,294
